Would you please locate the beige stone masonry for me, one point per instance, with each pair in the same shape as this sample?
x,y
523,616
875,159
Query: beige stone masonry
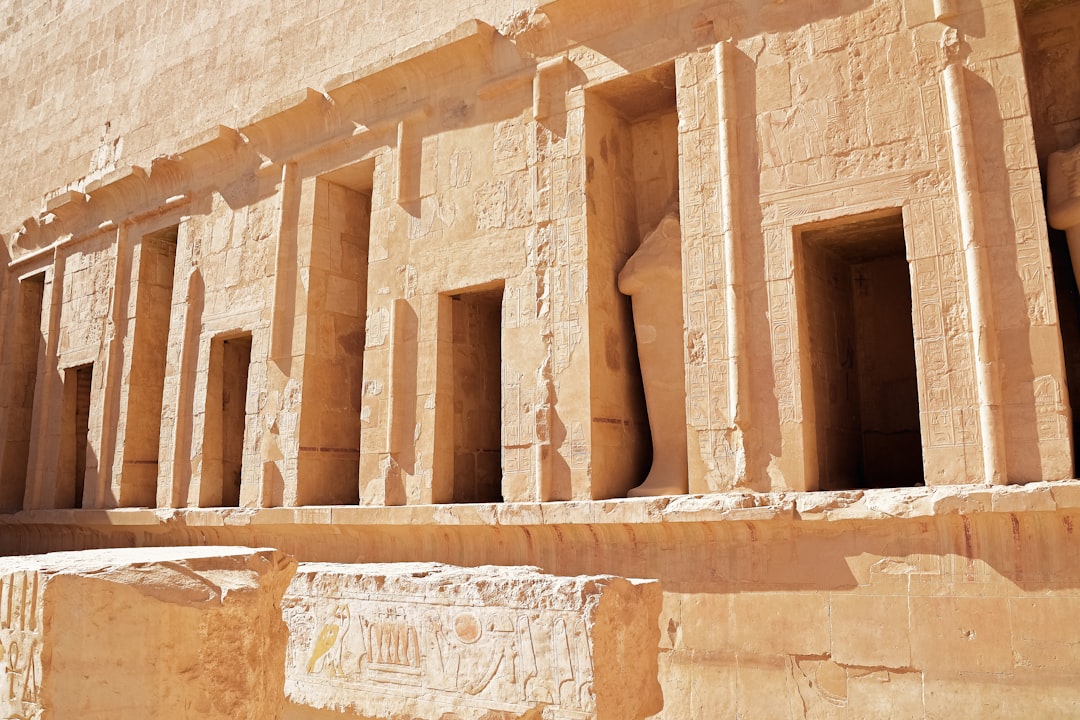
x,y
335,229
143,633
420,639
343,279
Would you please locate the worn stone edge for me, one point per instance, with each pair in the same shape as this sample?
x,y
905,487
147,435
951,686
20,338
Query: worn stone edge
x,y
844,505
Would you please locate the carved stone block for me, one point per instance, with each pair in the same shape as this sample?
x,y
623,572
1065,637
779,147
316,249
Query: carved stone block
x,y
422,640
143,633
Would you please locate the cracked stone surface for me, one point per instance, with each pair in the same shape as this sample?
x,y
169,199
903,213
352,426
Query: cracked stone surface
x,y
143,633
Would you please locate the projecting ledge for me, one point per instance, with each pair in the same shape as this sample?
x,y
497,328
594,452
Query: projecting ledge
x,y
849,505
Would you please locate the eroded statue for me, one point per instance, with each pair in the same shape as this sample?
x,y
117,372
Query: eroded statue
x,y
1063,199
652,277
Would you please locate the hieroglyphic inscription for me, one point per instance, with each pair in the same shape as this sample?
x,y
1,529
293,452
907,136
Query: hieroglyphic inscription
x,y
1032,263
942,328
569,297
518,430
20,646
784,352
703,258
378,642
1050,413
486,656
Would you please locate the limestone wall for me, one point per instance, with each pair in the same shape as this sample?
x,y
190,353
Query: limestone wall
x,y
521,162
366,257
927,602
93,89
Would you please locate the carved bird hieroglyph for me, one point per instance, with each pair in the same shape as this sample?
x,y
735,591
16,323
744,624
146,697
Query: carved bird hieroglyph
x,y
329,639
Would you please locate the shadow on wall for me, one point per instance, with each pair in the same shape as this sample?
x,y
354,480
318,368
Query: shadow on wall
x,y
781,554
1067,296
1011,238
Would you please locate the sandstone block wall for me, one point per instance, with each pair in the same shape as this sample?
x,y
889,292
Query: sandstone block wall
x,y
926,602
265,269
347,231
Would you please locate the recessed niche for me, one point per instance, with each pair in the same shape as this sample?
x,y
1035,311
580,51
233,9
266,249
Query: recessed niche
x,y
330,426
476,360
863,401
153,308
632,170
20,392
75,426
226,421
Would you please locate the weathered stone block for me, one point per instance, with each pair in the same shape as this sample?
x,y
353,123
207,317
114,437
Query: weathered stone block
x,y
143,633
870,630
424,640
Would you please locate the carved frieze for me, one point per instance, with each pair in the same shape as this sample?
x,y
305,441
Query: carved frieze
x,y
426,639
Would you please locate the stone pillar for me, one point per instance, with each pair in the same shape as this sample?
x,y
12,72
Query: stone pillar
x,y
177,417
41,476
711,211
966,178
381,479
117,354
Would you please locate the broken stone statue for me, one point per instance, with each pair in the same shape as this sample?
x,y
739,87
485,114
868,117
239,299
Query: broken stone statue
x,y
1063,199
652,277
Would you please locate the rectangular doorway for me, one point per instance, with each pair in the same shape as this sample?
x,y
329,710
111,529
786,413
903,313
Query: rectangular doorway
x,y
226,421
78,383
146,384
23,380
864,406
632,151
476,319
236,359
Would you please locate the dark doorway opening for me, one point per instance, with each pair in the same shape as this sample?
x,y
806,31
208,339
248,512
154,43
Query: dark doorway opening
x,y
236,359
856,290
23,380
477,370
78,383
226,421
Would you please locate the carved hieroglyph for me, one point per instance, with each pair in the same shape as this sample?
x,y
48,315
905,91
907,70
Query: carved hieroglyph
x,y
144,633
422,640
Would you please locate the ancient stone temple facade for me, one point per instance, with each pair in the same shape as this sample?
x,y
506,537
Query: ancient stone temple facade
x,y
744,334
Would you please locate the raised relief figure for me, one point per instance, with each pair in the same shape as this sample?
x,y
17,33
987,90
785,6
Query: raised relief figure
x,y
1063,199
652,277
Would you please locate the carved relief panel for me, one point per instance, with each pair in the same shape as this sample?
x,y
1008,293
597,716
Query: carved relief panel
x,y
425,639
